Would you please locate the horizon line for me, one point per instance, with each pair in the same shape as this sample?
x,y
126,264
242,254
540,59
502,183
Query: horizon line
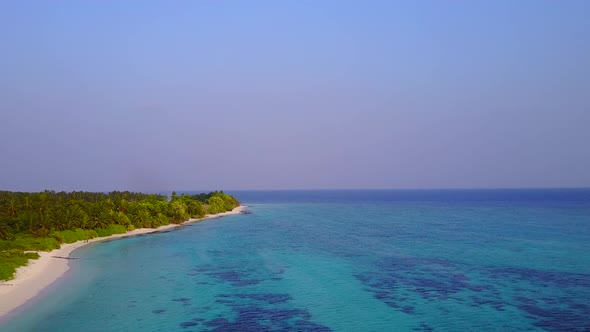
x,y
401,189
311,189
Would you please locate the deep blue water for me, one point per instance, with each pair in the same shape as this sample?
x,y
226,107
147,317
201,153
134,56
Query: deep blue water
x,y
446,260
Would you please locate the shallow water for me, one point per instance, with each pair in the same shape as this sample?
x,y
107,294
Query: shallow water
x,y
343,261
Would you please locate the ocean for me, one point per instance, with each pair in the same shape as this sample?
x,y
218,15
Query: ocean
x,y
403,260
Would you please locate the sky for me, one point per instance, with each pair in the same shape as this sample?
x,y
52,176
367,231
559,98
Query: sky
x,y
188,95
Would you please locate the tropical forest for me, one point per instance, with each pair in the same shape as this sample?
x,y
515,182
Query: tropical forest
x,y
42,221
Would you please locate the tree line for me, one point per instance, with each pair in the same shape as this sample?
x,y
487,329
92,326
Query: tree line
x,y
42,221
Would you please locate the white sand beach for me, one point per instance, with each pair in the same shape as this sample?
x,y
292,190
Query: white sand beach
x,y
31,279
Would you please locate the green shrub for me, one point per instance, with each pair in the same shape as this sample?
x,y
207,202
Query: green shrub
x,y
112,229
85,234
71,236
12,259
102,232
68,236
27,242
57,236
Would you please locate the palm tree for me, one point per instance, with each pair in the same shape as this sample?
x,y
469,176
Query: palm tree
x,y
83,221
123,205
46,220
27,203
27,219
4,231
101,223
58,215
121,219
43,202
142,218
70,217
12,208
178,210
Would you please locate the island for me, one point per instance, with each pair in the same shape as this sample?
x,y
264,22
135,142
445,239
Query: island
x,y
38,231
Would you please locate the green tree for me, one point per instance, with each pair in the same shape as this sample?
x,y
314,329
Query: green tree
x,y
28,220
196,209
216,205
178,211
12,208
142,219
4,231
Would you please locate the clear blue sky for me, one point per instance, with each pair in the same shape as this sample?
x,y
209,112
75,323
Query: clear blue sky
x,y
146,95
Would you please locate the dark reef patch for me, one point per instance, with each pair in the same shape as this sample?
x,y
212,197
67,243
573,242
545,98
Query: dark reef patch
x,y
267,298
238,277
408,310
184,325
423,327
253,318
181,299
262,312
404,284
543,278
184,300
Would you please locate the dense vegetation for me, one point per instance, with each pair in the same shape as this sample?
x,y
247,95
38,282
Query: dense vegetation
x,y
43,221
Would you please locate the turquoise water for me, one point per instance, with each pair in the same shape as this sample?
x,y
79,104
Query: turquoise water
x,y
341,261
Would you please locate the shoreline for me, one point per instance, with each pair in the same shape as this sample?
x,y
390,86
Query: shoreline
x,y
38,274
